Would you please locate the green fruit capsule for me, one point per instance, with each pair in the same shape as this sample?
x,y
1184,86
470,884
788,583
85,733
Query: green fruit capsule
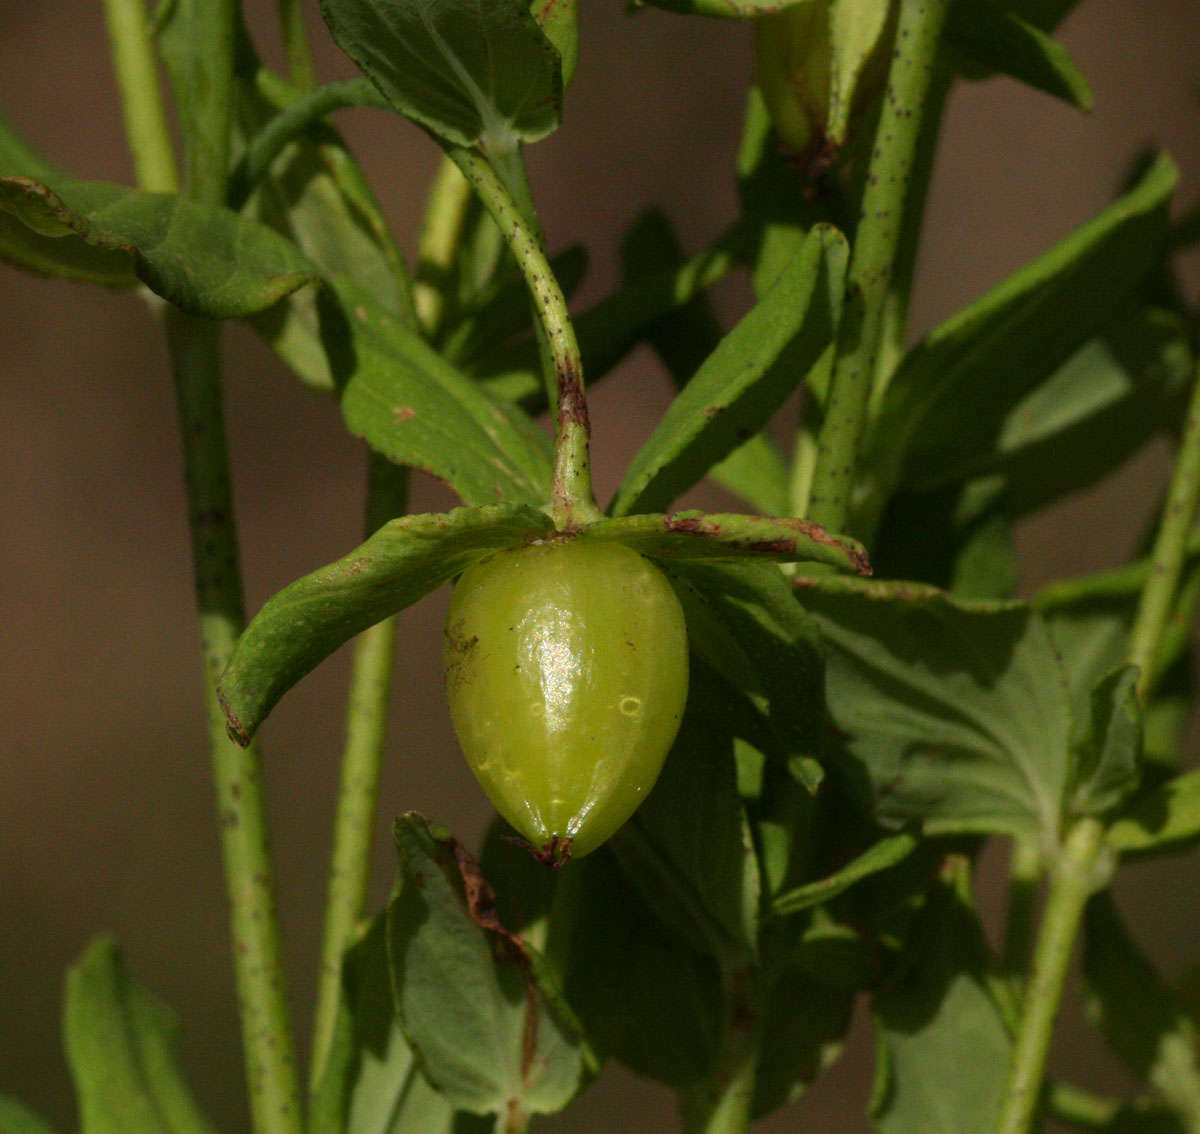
x,y
566,672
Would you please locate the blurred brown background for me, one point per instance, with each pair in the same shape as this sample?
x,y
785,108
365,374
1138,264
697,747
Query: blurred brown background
x,y
105,802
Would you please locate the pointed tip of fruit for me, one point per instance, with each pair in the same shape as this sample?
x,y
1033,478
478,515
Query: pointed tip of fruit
x,y
554,853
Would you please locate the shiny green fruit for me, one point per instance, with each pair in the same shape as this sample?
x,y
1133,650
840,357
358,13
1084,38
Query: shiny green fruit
x,y
566,672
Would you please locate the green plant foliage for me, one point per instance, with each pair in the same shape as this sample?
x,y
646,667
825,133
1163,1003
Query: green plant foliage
x,y
208,262
468,70
683,339
882,855
745,380
121,1046
950,713
644,994
17,1118
952,393
1163,820
1138,1013
1107,765
402,562
717,535
375,1083
413,407
491,1033
935,1009
989,38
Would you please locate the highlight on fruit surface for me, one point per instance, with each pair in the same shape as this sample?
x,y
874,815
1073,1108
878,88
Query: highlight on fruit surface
x,y
566,672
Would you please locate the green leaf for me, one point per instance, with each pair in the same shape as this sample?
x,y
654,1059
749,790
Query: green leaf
x,y
745,380
953,391
1163,820
472,71
645,995
17,1118
491,1034
857,33
683,339
744,622
883,855
558,20
949,712
688,850
703,535
375,1085
403,561
208,262
807,1009
315,193
1139,1014
416,409
121,1046
1105,769
1093,413
942,1047
991,39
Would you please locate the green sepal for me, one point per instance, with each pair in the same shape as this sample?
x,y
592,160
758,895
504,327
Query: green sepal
x,y
402,562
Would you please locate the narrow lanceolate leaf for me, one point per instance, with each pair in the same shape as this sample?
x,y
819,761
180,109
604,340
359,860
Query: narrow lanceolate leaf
x,y
416,409
757,365
954,390
930,1014
471,71
951,713
700,535
988,39
121,1044
1162,820
882,856
491,1034
17,1118
305,622
1140,1015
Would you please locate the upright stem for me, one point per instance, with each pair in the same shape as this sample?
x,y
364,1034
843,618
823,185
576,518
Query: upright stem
x,y
1072,881
295,44
249,875
1170,547
358,794
871,263
194,346
727,1108
572,501
145,115
441,232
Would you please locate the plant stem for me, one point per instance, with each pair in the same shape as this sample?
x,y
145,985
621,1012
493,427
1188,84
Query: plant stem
x,y
572,502
142,105
1025,880
894,323
194,347
441,232
1170,547
1072,881
871,263
295,44
358,794
249,876
291,122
